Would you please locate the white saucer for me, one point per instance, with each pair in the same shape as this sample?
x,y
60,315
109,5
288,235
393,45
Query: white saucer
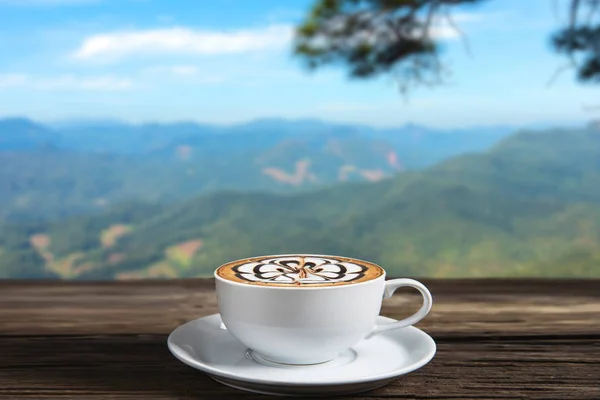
x,y
205,345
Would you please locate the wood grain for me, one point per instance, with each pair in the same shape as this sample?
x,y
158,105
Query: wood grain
x,y
497,339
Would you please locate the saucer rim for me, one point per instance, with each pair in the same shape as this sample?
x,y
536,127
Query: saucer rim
x,y
194,363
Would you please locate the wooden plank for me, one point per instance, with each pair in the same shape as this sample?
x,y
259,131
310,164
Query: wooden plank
x,y
140,367
461,307
497,339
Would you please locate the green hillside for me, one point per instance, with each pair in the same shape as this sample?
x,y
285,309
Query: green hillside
x,y
528,207
51,183
82,168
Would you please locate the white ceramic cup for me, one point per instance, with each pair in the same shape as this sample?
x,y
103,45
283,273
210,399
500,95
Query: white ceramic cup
x,y
309,324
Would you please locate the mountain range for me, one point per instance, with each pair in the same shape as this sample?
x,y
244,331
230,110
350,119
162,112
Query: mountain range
x,y
529,206
57,170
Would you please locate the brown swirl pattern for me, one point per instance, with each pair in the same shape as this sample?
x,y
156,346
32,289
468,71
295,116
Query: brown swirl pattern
x,y
299,270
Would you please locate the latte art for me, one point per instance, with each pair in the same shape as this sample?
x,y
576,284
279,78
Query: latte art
x,y
299,270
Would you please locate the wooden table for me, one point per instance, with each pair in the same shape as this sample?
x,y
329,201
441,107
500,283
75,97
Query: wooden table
x,y
497,339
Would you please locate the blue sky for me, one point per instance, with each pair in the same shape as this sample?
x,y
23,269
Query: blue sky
x,y
229,61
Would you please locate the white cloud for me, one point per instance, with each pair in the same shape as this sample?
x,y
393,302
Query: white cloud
x,y
182,41
184,70
444,31
65,82
444,28
12,80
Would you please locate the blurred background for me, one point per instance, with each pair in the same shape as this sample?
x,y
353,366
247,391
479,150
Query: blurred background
x,y
160,139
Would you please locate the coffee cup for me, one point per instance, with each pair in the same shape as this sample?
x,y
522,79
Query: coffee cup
x,y
306,309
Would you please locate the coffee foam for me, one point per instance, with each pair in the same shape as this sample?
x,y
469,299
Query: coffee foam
x,y
299,270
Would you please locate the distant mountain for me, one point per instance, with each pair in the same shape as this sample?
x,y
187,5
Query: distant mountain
x,y
528,207
81,167
411,139
131,139
128,139
39,184
23,134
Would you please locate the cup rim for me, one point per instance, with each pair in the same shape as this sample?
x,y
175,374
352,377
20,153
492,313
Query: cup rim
x,y
303,288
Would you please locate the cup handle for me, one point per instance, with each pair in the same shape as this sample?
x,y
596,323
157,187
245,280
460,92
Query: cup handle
x,y
390,288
